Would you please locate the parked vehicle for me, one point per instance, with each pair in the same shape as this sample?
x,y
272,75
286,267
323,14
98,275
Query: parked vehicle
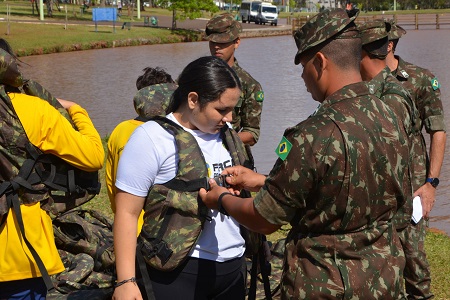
x,y
249,11
267,13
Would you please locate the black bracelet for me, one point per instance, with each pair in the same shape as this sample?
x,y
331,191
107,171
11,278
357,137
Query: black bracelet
x,y
132,279
220,208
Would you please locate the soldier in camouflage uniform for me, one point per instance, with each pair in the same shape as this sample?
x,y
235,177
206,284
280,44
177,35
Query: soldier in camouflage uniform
x,y
222,32
425,90
336,180
155,87
374,38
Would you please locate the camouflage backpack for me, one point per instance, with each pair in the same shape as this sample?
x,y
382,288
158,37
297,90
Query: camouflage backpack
x,y
26,171
271,264
84,240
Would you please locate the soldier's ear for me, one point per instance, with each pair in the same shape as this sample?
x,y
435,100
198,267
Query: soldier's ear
x,y
237,42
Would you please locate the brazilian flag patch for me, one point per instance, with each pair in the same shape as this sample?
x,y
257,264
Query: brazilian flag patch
x,y
283,148
260,96
435,84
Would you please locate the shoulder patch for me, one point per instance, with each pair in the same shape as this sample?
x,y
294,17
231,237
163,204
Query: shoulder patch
x,y
435,83
260,96
283,148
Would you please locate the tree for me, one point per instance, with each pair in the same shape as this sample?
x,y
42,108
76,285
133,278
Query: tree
x,y
191,9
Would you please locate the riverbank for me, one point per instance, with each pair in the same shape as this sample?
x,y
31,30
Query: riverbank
x,y
30,37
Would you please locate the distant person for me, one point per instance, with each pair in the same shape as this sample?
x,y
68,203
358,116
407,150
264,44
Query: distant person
x,y
329,181
29,122
162,85
222,32
425,90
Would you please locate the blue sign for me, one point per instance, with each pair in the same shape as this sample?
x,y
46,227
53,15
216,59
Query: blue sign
x,y
104,14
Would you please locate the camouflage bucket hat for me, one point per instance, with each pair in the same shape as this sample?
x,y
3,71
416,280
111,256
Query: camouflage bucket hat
x,y
320,28
396,31
153,100
373,31
223,29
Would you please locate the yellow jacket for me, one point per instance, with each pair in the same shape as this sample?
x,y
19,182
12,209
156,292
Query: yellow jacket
x,y
117,141
47,129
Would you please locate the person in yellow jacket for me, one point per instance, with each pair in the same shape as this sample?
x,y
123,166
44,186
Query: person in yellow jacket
x,y
122,132
48,130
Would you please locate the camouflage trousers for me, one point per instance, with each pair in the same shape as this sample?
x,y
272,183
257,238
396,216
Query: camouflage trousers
x,y
361,265
417,270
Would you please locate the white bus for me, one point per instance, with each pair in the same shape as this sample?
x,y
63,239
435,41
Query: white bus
x,y
249,11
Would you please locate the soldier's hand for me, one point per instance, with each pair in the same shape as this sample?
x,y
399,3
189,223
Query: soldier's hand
x,y
243,178
427,194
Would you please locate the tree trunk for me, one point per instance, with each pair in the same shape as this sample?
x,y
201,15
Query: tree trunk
x,y
174,19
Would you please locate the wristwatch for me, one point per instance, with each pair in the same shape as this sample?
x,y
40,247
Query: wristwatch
x,y
434,182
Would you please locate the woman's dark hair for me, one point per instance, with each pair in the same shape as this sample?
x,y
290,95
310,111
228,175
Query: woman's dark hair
x,y
207,76
153,76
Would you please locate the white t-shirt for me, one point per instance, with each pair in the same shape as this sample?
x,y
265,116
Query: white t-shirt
x,y
150,157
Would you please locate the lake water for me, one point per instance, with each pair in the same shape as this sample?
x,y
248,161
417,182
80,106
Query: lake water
x,y
103,81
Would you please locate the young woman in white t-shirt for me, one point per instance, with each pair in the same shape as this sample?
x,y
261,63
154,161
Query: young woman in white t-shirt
x,y
203,103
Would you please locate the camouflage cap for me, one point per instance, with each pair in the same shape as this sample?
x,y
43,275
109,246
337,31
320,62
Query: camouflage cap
x,y
396,31
223,29
153,100
373,31
320,28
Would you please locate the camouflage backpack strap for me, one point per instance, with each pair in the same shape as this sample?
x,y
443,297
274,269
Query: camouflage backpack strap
x,y
33,88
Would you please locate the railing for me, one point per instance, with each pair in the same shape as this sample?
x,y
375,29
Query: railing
x,y
408,21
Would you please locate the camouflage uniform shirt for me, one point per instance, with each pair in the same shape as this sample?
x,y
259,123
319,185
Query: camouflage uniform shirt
x,y
424,89
247,112
386,87
339,190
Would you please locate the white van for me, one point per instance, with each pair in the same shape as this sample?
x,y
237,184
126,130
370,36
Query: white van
x,y
249,11
267,13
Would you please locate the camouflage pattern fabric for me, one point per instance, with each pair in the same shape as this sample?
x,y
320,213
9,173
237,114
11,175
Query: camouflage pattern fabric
x,y
276,259
222,28
386,87
425,90
89,232
374,37
396,31
79,280
153,100
247,112
339,189
320,28
9,71
372,31
173,219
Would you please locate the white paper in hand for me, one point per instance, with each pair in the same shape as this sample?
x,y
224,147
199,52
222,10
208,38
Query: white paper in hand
x,y
417,210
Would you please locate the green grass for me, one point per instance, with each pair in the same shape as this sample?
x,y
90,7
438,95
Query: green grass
x,y
33,39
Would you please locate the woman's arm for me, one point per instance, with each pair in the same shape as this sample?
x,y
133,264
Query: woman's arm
x,y
128,208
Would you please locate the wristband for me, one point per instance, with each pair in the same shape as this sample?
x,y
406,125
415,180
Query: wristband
x,y
132,279
220,208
